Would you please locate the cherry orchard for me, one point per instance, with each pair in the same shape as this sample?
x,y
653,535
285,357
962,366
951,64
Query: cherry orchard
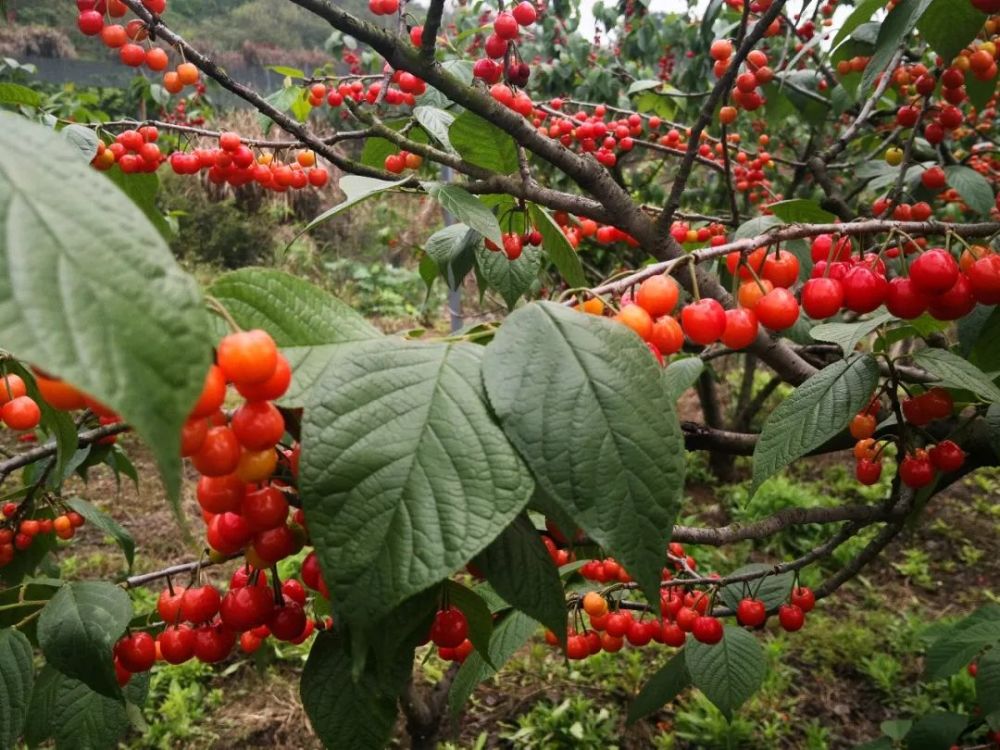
x,y
465,492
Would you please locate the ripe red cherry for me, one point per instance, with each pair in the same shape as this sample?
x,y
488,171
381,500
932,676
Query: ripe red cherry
x,y
686,618
200,604
136,652
21,413
294,591
791,617
221,494
228,533
132,55
248,356
741,328
955,303
947,456
638,634
272,388
525,13
915,411
934,178
275,544
169,605
213,643
90,22
751,613
219,453
864,290
822,297
265,509
916,470
868,471
513,246
177,644
288,621
803,598
934,271
778,309
246,607
707,630
505,26
258,425
904,300
617,624
823,248
213,394
672,635
704,321
450,628
938,403
658,295
781,268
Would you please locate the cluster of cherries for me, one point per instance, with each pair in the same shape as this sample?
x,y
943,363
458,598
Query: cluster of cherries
x,y
744,94
681,612
92,21
200,623
502,60
449,632
18,410
17,536
513,243
935,282
919,466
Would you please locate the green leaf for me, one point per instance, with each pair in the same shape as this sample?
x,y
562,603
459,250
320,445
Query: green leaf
x,y
756,226
16,95
668,682
557,247
356,189
984,349
847,335
142,188
801,211
682,374
772,590
77,629
861,14
105,523
949,26
436,122
817,410
476,611
508,637
453,250
467,208
77,717
404,475
283,70
484,144
897,26
587,408
988,681
17,675
954,372
728,672
349,713
511,278
953,652
83,138
646,84
937,731
974,189
519,568
896,729
980,92
90,292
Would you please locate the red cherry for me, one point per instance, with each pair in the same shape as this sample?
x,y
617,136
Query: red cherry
x,y
741,328
177,644
288,621
90,22
823,248
707,630
868,471
618,624
751,613
672,635
938,403
955,303
934,178
169,605
822,297
934,271
947,456
778,309
213,643
450,628
904,300
791,617
638,634
199,604
803,598
136,652
781,268
704,321
525,13
686,618
505,26
245,608
864,290
916,470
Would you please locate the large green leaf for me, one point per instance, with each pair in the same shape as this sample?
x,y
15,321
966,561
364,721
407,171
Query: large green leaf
x,y
482,143
955,372
847,335
727,672
861,14
84,139
954,651
949,26
682,374
587,408
14,94
17,674
668,682
988,681
142,189
512,633
78,718
562,254
897,26
306,321
107,524
90,292
348,712
511,278
436,122
519,568
356,189
800,210
453,250
937,731
982,347
756,226
466,208
974,189
77,629
818,410
405,476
